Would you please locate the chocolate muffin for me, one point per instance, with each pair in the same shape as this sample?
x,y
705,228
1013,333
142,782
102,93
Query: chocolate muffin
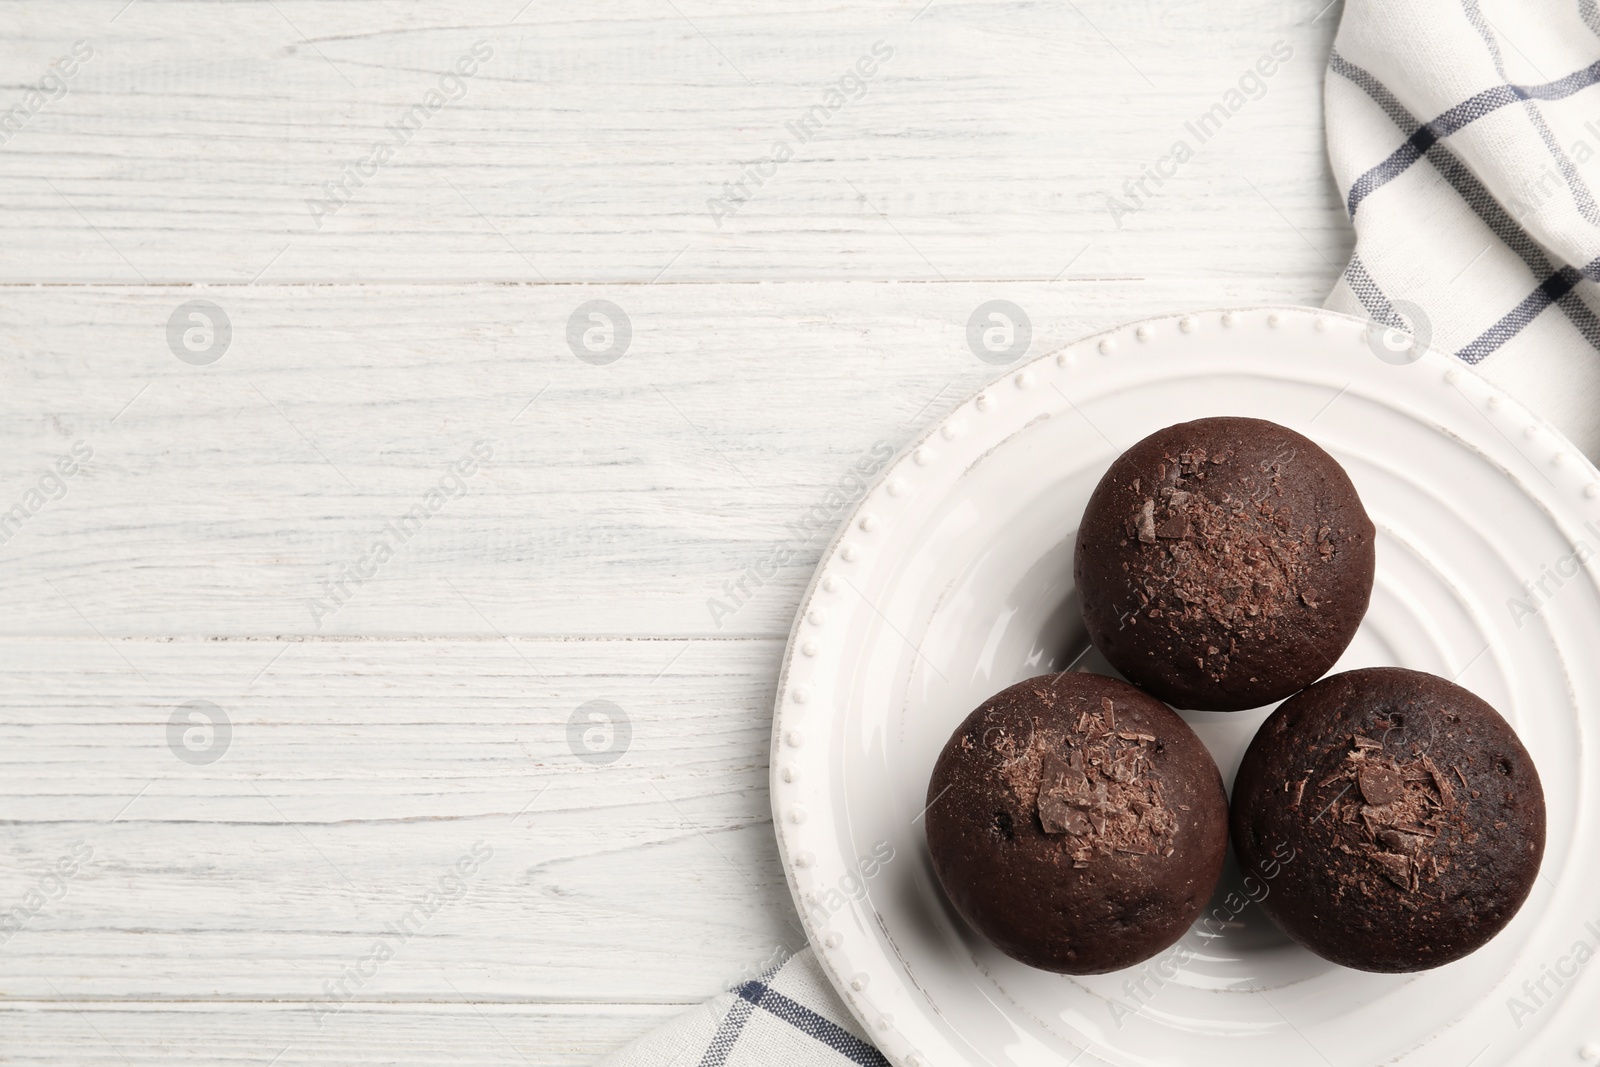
x,y
1224,563
1413,815
1077,823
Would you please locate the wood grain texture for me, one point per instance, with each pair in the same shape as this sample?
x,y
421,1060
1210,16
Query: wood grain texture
x,y
589,143
221,498
374,745
357,774
98,1034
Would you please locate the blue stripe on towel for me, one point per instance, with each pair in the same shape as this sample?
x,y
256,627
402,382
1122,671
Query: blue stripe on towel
x,y
1456,119
1555,289
727,1034
1371,296
1494,216
811,1024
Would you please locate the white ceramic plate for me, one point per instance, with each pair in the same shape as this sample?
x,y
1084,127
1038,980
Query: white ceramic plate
x,y
954,579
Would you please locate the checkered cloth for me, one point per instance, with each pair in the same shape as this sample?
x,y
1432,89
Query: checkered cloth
x,y
1461,134
789,1017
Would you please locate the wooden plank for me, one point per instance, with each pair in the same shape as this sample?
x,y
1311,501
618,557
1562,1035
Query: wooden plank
x,y
115,1034
220,499
591,141
357,778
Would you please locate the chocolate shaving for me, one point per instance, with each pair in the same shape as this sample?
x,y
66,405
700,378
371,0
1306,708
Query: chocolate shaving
x,y
1398,812
1447,797
1227,562
1094,789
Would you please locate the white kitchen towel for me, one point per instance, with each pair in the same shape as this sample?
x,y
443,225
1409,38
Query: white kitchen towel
x,y
1463,135
788,1017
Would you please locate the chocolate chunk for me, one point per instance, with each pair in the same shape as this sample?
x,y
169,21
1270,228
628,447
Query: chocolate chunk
x,y
1147,522
1064,778
1059,817
1398,841
1380,784
1395,868
1175,528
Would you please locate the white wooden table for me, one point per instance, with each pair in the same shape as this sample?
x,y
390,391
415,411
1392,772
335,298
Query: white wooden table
x,y
157,907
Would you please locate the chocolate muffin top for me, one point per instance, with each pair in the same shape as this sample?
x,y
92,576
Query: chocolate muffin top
x,y
1077,823
1415,816
1224,563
